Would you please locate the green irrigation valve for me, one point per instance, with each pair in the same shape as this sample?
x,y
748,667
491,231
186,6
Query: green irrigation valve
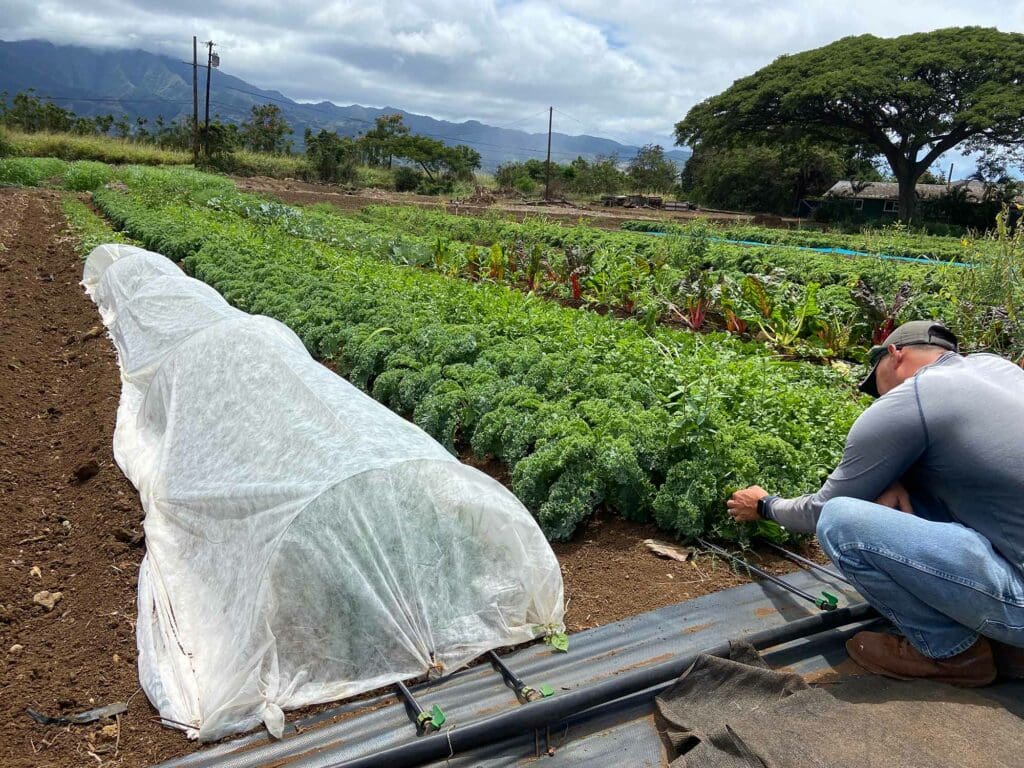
x,y
528,694
433,719
827,601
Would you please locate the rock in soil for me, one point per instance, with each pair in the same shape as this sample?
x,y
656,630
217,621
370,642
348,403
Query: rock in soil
x,y
47,599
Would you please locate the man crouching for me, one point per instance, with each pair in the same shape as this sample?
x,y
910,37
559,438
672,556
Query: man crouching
x,y
925,512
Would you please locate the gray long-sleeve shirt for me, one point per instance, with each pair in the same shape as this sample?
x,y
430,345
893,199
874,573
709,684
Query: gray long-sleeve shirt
x,y
954,435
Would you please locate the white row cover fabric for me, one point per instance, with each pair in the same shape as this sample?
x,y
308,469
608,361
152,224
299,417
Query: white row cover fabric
x,y
304,543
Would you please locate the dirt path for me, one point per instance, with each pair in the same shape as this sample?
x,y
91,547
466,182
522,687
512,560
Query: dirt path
x,y
72,521
58,396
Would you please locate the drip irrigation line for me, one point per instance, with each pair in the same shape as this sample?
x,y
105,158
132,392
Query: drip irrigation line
x,y
522,720
821,249
826,602
809,563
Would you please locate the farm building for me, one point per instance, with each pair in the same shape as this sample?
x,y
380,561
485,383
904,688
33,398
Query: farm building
x,y
966,202
881,198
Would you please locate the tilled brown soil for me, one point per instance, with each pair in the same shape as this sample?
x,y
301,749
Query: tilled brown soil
x,y
610,574
71,521
69,514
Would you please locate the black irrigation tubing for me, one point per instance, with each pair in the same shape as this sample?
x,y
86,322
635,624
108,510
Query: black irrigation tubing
x,y
809,563
511,679
539,714
826,602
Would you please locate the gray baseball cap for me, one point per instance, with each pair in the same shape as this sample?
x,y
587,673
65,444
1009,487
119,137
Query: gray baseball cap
x,y
907,335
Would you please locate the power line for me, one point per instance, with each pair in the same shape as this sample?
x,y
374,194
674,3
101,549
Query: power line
x,y
523,120
509,125
617,139
116,99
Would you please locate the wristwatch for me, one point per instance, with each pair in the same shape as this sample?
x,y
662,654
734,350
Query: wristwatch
x,y
763,509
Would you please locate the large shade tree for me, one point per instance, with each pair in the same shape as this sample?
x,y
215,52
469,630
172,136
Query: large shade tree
x,y
908,99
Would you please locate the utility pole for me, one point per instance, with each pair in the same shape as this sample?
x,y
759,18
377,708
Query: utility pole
x,y
195,101
547,165
209,67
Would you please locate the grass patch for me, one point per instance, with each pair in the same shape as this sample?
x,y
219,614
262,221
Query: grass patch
x,y
246,163
78,176
379,178
30,171
107,149
87,175
6,147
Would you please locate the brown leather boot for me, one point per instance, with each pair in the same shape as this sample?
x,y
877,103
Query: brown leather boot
x,y
894,656
1009,660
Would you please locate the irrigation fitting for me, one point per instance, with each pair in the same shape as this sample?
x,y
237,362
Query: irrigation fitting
x,y
825,602
523,692
425,720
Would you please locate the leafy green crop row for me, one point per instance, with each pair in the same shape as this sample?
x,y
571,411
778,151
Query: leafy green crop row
x,y
585,410
753,292
824,269
687,282
807,304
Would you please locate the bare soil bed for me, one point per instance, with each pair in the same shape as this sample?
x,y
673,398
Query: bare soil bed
x,y
73,522
69,514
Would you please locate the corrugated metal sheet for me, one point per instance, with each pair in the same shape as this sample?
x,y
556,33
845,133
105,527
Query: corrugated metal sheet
x,y
479,692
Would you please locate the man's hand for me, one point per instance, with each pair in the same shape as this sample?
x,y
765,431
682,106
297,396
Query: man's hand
x,y
896,496
743,504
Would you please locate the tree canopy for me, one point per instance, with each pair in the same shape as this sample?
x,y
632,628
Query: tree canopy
x,y
434,156
266,129
379,142
767,178
651,171
908,99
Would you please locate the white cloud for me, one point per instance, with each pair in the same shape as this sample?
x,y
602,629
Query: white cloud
x,y
620,68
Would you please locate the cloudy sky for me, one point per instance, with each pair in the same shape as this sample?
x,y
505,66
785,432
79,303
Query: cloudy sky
x,y
624,70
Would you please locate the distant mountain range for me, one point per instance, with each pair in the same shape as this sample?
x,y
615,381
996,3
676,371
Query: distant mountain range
x,y
141,84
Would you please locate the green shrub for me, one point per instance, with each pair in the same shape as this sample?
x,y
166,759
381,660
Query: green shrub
x,y
441,186
524,185
332,158
407,179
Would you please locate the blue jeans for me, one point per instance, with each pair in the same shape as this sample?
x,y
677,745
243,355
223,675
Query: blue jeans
x,y
941,583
